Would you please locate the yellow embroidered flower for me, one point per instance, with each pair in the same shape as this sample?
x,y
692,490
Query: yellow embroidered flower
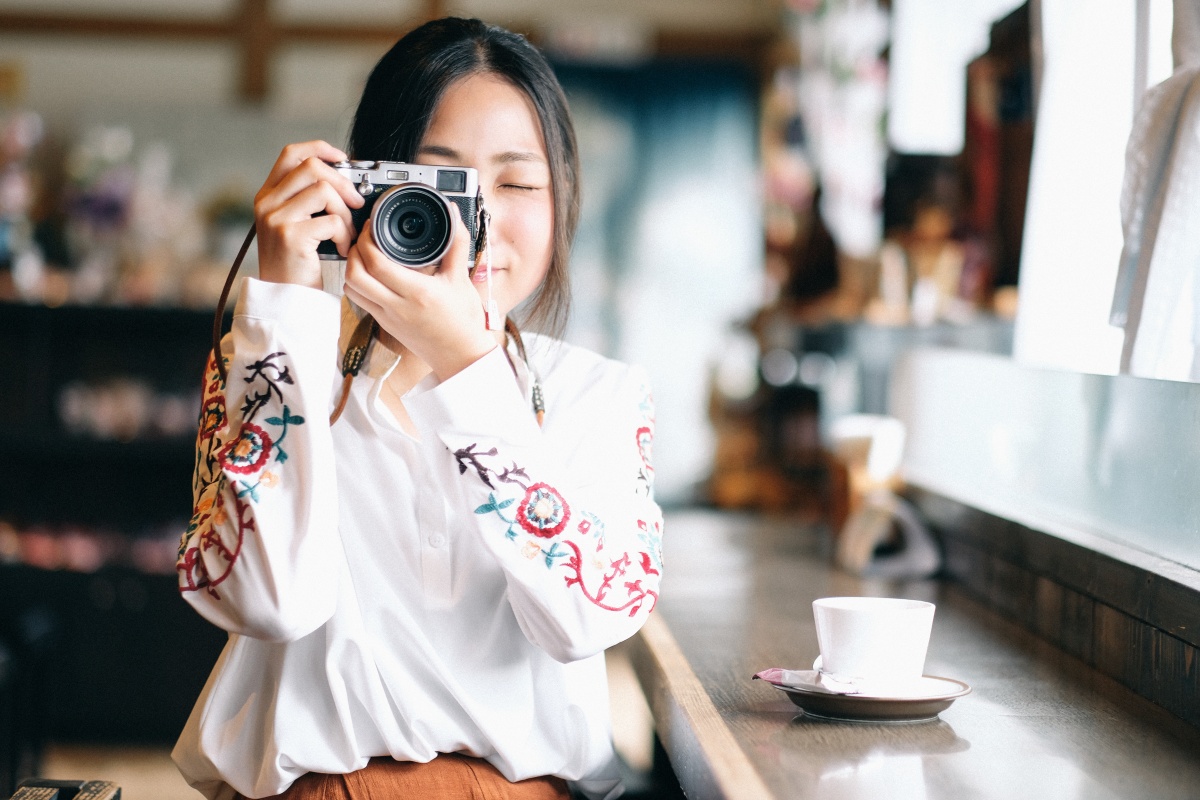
x,y
531,550
243,448
269,479
220,518
204,505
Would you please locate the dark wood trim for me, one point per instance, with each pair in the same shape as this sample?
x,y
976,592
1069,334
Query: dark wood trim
x,y
750,46
1131,615
258,36
258,39
131,27
346,34
252,28
143,28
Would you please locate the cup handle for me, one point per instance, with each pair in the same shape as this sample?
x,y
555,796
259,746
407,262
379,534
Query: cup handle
x,y
817,664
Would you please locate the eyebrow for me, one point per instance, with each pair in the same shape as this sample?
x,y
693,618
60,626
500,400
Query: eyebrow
x,y
507,157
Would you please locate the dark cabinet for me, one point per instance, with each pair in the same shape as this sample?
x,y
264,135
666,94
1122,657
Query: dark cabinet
x,y
87,455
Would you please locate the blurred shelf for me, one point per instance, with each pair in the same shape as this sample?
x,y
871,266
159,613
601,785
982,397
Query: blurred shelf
x,y
58,447
128,655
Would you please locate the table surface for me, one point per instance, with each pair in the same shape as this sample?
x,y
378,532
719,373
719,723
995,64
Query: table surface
x,y
736,599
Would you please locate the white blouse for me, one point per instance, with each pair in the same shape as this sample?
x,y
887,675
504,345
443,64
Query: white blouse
x,y
407,596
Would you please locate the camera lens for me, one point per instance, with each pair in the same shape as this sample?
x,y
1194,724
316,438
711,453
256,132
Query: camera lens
x,y
412,225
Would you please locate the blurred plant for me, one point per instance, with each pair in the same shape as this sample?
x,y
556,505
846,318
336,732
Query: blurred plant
x,y
842,98
21,262
100,179
133,234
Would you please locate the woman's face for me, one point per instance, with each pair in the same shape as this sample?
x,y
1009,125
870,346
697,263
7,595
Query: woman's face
x,y
485,122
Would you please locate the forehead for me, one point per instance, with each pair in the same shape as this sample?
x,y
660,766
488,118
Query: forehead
x,y
485,113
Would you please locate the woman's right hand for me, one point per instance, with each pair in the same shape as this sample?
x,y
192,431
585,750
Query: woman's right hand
x,y
302,183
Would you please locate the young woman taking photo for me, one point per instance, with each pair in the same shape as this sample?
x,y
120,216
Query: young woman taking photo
x,y
419,593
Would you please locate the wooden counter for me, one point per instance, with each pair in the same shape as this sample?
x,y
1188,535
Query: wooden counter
x,y
1039,724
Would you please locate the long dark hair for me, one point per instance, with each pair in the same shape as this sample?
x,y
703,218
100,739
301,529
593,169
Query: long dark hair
x,y
404,89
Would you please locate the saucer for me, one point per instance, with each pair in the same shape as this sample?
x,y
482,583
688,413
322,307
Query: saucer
x,y
923,700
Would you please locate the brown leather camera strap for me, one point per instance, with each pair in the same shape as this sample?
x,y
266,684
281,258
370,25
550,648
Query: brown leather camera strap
x,y
356,353
219,317
356,350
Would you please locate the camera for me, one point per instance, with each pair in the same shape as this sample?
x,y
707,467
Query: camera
x,y
409,208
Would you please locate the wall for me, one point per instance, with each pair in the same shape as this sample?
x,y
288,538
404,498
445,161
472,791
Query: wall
x,y
1062,452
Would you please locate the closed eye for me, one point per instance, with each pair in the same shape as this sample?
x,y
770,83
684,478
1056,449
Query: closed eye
x,y
520,187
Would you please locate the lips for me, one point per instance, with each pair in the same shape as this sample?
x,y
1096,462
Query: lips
x,y
481,273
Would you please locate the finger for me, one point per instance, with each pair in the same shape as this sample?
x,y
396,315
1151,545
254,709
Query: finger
x,y
456,264
309,233
372,296
297,153
314,198
364,281
367,304
397,278
310,172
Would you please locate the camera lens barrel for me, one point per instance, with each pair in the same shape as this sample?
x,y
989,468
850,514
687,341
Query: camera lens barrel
x,y
412,225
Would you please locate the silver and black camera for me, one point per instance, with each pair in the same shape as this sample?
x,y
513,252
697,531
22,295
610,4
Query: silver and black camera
x,y
409,208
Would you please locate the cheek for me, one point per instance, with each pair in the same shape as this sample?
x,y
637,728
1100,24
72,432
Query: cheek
x,y
530,232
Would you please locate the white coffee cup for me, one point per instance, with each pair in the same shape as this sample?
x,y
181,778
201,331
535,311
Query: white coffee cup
x,y
872,640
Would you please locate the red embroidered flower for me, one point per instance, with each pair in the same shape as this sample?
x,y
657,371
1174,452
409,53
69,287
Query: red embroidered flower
x,y
212,418
645,441
247,453
543,512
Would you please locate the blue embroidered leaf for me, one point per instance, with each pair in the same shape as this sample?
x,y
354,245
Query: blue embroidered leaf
x,y
492,505
506,503
553,553
295,420
275,420
247,490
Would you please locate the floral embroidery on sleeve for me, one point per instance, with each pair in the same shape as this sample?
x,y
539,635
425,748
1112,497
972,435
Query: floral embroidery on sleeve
x,y
544,525
218,455
645,441
543,511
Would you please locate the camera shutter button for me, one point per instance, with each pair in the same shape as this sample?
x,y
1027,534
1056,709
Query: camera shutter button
x,y
365,187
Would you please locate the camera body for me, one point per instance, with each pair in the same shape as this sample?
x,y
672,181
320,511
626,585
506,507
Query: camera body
x,y
408,207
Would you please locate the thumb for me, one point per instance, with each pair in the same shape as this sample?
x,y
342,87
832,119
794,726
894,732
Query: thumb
x,y
456,264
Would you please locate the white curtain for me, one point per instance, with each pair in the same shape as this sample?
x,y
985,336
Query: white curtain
x,y
1157,295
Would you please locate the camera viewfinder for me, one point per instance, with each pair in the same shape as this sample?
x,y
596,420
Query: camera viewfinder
x,y
451,180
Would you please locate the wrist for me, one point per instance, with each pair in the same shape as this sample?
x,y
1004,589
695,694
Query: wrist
x,y
305,277
459,359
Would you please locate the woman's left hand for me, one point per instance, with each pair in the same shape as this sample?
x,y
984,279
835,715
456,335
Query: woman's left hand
x,y
435,312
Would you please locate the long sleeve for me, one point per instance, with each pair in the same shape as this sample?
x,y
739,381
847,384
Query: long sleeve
x,y
260,555
568,512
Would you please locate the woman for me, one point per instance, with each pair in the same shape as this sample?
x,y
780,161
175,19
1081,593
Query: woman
x,y
419,594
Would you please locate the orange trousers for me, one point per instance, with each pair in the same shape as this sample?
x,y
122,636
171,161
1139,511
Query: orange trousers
x,y
448,777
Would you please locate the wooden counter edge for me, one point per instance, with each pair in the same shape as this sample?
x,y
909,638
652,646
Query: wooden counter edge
x,y
704,753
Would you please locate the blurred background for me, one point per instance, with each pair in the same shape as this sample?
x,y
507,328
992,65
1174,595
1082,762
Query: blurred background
x,y
780,197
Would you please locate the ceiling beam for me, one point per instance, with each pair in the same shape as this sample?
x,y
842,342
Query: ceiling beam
x,y
258,36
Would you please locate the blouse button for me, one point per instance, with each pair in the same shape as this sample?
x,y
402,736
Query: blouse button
x,y
437,540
